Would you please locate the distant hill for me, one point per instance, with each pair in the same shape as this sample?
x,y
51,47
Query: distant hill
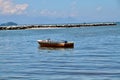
x,y
9,24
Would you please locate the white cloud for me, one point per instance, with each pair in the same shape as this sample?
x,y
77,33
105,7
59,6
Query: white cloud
x,y
8,7
71,12
58,14
46,12
99,8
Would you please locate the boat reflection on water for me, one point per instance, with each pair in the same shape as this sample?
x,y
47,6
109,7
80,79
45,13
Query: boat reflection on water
x,y
52,48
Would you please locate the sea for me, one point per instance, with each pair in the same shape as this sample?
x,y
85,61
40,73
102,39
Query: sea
x,y
95,56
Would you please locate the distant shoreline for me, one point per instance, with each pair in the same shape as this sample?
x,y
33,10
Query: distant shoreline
x,y
25,27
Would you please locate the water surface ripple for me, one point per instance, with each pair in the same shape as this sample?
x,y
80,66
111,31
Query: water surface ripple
x,y
96,55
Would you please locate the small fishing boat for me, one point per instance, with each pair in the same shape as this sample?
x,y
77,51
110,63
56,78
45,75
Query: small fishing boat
x,y
55,44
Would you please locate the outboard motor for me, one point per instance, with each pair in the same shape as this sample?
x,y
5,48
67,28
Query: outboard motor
x,y
65,41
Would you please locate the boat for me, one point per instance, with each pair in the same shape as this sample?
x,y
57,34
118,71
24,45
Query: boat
x,y
55,44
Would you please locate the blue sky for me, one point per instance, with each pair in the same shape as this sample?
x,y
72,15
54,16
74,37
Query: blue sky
x,y
59,11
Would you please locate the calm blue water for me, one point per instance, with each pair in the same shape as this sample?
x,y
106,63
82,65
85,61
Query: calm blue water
x,y
96,55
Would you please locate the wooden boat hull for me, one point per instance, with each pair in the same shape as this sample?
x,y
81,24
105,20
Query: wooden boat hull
x,y
56,45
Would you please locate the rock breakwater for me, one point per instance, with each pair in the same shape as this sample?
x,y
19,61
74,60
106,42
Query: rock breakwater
x,y
54,26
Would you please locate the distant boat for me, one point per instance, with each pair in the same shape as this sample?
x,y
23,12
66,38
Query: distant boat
x,y
55,44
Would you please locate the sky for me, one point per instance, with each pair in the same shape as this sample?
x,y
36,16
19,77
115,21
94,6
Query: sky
x,y
59,11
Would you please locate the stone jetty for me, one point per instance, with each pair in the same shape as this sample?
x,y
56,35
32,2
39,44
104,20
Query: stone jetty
x,y
24,27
